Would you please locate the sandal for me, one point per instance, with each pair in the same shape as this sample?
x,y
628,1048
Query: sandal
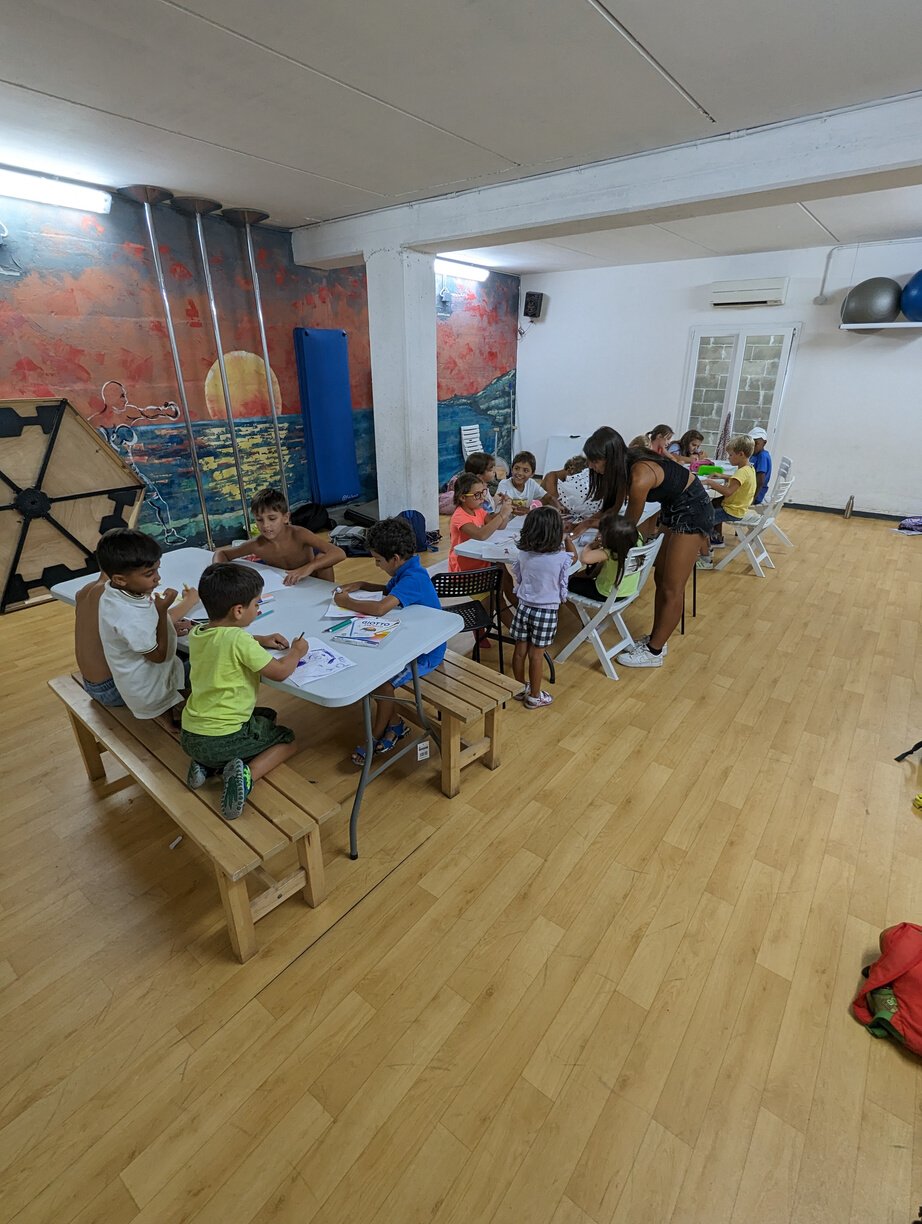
x,y
359,752
392,737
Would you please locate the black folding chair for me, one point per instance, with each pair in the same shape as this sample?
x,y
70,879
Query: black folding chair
x,y
482,619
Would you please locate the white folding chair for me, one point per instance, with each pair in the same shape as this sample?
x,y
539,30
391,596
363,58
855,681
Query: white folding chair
x,y
780,493
470,440
752,526
594,613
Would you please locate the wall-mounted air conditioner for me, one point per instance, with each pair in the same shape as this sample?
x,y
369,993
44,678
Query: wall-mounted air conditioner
x,y
769,291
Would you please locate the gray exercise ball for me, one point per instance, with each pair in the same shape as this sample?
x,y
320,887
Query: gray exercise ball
x,y
873,301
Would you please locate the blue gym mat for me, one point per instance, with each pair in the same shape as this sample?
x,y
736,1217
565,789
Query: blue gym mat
x,y
322,356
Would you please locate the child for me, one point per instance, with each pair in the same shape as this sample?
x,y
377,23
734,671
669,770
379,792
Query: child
x,y
521,488
471,522
480,464
484,466
660,437
540,576
295,549
568,490
738,492
222,726
91,659
136,630
762,463
605,558
688,450
392,544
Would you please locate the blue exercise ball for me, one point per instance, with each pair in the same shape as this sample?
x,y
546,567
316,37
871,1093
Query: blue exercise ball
x,y
873,301
911,302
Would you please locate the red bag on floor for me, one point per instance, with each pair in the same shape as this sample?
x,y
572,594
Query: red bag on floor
x,y
890,1003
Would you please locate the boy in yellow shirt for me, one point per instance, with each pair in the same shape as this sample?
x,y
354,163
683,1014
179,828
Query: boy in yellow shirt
x,y
222,726
738,493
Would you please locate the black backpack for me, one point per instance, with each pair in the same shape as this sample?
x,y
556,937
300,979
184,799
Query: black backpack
x,y
312,517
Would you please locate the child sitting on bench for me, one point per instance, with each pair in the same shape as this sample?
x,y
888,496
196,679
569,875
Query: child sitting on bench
x,y
392,544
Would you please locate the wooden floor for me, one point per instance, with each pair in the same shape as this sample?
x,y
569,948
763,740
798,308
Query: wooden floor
x,y
609,982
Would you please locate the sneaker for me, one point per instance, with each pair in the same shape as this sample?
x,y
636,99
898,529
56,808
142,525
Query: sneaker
x,y
641,657
197,775
645,641
704,563
237,785
535,703
721,543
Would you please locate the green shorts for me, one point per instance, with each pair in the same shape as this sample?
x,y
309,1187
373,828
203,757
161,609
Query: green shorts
x,y
257,734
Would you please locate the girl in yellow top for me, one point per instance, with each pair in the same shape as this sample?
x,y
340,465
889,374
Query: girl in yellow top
x,y
738,491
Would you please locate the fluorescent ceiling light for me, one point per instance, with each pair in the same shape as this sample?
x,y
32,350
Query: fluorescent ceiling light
x,y
23,186
447,267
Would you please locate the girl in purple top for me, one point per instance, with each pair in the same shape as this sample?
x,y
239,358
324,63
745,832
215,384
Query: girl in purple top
x,y
539,575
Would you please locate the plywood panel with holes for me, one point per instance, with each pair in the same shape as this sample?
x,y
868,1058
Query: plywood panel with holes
x,y
61,486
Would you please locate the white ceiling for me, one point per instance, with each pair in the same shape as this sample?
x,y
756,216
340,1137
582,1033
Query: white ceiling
x,y
896,213
324,109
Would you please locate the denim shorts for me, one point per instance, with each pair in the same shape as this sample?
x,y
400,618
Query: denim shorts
x,y
690,512
104,692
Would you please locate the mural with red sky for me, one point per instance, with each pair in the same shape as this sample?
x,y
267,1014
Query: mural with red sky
x,y
80,307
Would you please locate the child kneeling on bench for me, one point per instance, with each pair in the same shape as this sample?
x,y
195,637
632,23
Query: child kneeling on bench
x,y
222,726
392,544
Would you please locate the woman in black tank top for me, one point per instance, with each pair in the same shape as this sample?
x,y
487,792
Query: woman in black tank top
x,y
638,475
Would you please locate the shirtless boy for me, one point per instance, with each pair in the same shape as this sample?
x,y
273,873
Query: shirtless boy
x,y
295,549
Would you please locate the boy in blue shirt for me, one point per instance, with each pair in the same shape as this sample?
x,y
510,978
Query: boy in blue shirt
x,y
392,544
762,462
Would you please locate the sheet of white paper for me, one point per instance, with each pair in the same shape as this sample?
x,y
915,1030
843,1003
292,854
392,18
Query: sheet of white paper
x,y
273,579
335,612
321,660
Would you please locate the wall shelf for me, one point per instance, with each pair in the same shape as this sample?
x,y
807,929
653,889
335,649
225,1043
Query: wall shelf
x,y
877,326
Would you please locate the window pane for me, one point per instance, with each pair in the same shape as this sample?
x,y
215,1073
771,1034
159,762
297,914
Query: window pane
x,y
713,367
758,380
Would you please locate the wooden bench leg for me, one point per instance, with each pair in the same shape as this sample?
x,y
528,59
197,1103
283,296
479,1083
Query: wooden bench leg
x,y
240,926
310,857
491,731
89,749
451,755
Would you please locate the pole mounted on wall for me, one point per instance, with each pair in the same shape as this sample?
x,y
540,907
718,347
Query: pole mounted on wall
x,y
193,206
148,196
245,219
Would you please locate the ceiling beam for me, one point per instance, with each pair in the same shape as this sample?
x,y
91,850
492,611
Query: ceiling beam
x,y
861,148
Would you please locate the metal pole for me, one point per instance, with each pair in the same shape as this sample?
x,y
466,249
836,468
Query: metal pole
x,y
248,217
157,195
192,206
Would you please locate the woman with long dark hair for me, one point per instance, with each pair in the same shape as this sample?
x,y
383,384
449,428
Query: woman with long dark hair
x,y
635,476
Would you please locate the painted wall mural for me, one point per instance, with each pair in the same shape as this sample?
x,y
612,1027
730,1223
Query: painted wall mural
x,y
476,344
81,317
84,320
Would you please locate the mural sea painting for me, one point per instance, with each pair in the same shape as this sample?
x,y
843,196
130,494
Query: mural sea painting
x,y
81,318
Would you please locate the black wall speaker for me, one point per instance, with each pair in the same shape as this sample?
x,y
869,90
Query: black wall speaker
x,y
534,304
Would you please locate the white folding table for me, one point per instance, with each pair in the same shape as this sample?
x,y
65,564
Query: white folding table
x,y
299,609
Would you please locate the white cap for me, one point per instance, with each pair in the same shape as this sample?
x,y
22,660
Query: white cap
x,y
755,434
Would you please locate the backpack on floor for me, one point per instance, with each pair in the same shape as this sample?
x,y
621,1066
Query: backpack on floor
x,y
890,1002
351,540
312,517
418,523
911,526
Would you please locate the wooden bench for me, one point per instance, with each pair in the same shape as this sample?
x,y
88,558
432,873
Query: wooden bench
x,y
283,810
466,695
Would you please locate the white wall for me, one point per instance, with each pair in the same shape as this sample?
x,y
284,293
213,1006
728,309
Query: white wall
x,y
613,346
